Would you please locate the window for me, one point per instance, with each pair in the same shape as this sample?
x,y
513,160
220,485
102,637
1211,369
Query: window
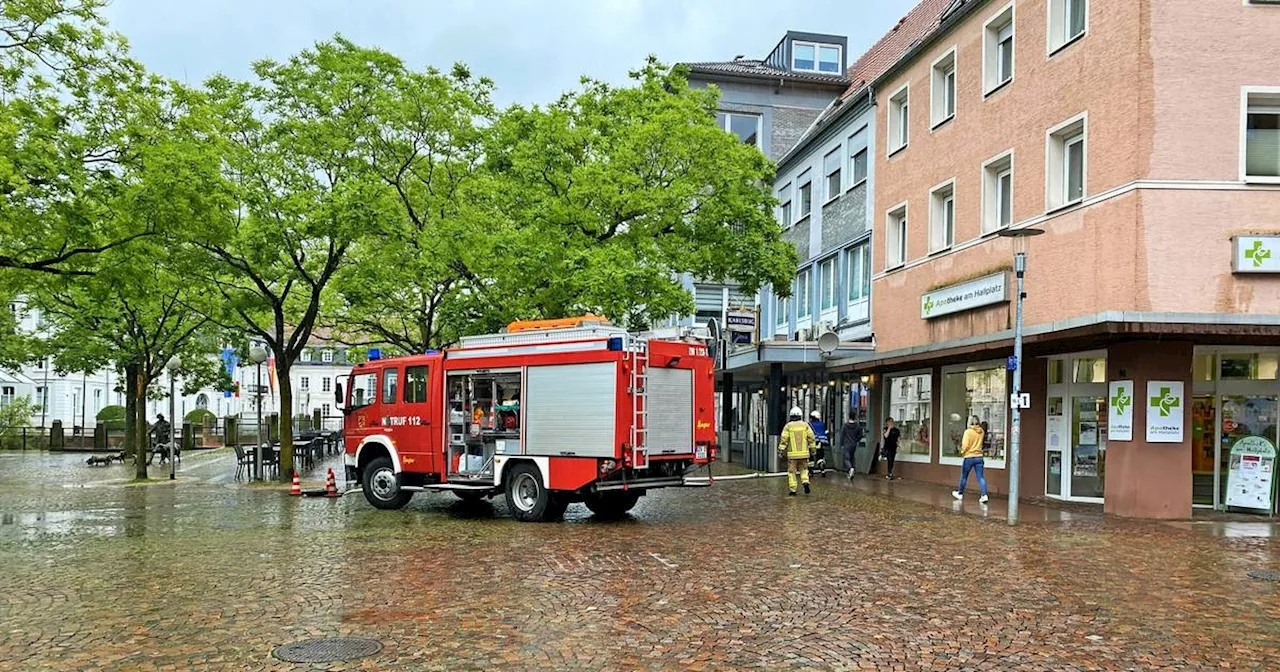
x,y
831,169
784,211
202,400
305,356
1089,370
1262,136
1249,366
305,384
806,195
896,237
781,312
858,157
804,295
997,50
997,192
364,390
326,356
815,57
899,116
942,218
324,410
42,393
943,105
6,395
1066,158
1068,20
910,405
390,380
326,385
968,391
858,282
745,126
415,384
827,284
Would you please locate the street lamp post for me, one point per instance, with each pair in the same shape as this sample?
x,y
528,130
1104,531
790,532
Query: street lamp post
x,y
258,355
1021,239
172,367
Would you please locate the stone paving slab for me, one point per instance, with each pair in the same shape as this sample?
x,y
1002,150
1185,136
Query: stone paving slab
x,y
212,575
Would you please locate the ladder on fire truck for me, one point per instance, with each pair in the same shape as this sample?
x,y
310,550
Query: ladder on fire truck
x,y
640,403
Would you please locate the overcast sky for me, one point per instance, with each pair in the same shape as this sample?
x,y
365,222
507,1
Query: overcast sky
x,y
533,49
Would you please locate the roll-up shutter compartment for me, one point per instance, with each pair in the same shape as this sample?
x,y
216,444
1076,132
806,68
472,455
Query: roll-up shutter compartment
x,y
571,409
670,411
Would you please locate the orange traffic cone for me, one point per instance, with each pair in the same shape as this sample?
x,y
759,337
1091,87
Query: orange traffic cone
x,y
297,485
330,485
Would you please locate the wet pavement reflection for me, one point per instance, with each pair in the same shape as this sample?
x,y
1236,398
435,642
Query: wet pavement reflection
x,y
206,573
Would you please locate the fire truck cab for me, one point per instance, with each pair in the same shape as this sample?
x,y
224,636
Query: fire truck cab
x,y
546,414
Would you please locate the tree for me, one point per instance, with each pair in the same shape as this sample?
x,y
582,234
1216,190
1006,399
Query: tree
x,y
14,416
615,192
297,154
134,310
412,289
62,78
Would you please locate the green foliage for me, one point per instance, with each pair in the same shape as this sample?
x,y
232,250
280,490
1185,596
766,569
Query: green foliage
x,y
15,415
201,416
111,414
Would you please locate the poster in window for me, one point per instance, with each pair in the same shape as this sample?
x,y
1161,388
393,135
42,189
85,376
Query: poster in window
x,y
1088,433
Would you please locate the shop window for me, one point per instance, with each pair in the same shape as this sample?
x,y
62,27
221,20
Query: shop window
x,y
1090,370
1202,367
910,404
1055,371
1256,366
976,390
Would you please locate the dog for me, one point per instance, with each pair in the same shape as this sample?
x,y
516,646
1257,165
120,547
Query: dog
x,y
118,457
95,460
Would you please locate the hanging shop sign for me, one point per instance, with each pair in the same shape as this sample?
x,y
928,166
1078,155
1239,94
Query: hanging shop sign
x,y
1251,474
967,295
1120,411
741,325
1255,254
1165,404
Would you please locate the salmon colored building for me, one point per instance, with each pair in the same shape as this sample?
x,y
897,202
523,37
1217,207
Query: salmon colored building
x,y
1143,138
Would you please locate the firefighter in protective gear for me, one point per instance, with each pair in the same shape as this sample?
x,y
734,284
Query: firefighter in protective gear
x,y
797,443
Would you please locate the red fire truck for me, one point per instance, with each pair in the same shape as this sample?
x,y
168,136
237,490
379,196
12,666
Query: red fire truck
x,y
546,414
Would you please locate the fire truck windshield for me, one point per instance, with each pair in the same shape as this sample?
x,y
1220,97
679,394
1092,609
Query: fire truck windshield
x,y
364,389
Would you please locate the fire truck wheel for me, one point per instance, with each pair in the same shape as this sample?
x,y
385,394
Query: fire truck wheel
x,y
612,504
527,497
382,486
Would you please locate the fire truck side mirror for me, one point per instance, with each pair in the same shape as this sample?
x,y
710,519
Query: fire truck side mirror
x,y
338,397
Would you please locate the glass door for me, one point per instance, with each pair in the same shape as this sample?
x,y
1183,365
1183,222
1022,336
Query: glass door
x,y
1243,416
1088,446
1055,442
1204,448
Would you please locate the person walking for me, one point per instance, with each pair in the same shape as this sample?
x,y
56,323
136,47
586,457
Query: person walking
x,y
889,445
823,442
971,451
850,436
797,443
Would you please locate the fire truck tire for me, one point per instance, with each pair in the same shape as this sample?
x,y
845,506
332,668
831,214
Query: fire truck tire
x,y
527,498
612,505
381,485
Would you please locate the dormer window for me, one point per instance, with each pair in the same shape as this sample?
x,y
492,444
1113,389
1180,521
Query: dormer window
x,y
814,57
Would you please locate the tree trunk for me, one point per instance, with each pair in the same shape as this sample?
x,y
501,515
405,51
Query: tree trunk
x,y
286,419
130,411
140,385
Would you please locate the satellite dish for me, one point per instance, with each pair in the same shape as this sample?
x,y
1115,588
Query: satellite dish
x,y
828,342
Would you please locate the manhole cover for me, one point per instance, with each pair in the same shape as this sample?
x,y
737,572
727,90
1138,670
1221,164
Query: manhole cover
x,y
1265,574
327,650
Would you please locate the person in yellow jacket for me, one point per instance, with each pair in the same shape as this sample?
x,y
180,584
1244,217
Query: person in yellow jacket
x,y
797,442
971,451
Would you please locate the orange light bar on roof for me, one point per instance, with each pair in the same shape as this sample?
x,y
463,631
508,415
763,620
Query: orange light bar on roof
x,y
560,323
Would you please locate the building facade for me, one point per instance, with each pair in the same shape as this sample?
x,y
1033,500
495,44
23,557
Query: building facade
x,y
1151,162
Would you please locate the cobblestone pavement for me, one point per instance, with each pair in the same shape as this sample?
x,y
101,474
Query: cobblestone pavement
x,y
207,574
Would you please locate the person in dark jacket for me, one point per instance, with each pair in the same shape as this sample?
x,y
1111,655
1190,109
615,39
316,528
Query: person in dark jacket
x,y
850,437
889,447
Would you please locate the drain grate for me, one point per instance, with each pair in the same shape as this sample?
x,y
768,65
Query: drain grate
x,y
1265,574
327,650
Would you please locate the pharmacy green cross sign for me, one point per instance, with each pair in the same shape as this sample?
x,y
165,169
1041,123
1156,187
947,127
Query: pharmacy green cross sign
x,y
1257,254
928,305
1121,400
1165,401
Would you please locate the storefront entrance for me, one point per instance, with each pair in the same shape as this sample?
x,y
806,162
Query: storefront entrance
x,y
1076,427
1234,426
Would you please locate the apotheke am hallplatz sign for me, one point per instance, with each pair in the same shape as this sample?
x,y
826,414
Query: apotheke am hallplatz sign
x,y
964,296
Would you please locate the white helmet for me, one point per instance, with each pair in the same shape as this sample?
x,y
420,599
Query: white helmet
x,y
815,415
796,412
